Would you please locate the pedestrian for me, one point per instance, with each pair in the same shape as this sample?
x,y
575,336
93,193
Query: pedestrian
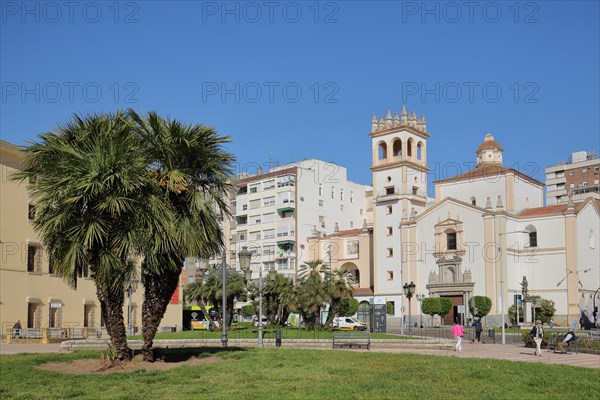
x,y
458,333
537,333
567,340
581,322
478,328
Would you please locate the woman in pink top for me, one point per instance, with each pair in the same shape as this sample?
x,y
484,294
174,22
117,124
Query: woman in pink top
x,y
458,332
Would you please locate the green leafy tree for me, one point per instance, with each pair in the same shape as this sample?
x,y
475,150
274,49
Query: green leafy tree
x,y
480,306
248,310
544,309
389,307
348,307
445,305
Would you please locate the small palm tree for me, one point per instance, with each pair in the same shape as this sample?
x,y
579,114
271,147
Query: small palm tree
x,y
312,292
341,286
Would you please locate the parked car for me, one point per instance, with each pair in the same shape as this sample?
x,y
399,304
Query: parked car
x,y
349,324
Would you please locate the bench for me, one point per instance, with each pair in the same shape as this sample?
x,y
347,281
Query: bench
x,y
572,347
594,334
352,339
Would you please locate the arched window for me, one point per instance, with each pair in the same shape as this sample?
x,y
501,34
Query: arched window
x,y
397,148
420,151
409,147
450,239
532,235
382,150
473,200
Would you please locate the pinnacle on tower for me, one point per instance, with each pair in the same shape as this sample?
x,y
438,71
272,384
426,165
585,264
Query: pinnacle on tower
x,y
396,119
488,204
388,119
374,123
499,203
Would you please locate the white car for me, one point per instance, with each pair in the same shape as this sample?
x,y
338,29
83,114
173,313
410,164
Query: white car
x,y
349,324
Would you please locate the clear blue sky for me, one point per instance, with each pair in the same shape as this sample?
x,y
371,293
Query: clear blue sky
x,y
239,68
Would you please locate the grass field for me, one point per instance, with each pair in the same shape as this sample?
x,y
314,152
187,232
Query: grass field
x,y
303,374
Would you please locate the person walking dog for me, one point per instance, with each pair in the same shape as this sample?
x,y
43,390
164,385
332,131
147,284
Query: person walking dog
x,y
537,333
458,332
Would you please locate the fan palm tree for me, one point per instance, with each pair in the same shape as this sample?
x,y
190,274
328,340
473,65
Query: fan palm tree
x,y
341,286
94,196
198,292
312,292
193,171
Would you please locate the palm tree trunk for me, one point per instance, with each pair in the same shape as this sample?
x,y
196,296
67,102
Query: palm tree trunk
x,y
211,322
113,306
158,290
333,310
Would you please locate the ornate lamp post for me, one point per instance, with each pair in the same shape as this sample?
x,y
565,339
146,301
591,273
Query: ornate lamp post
x,y
409,290
132,285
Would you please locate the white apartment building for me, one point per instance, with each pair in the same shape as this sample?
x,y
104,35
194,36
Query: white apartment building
x,y
579,178
274,213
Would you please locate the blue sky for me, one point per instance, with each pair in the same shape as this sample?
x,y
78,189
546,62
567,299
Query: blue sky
x,y
289,80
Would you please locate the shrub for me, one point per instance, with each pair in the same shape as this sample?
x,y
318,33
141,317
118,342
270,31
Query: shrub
x,y
348,307
528,340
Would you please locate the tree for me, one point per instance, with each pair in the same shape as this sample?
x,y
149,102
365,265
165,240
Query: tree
x,y
312,293
348,307
436,305
480,306
545,308
95,200
340,285
192,171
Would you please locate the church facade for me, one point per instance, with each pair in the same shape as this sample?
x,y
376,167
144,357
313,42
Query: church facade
x,y
484,233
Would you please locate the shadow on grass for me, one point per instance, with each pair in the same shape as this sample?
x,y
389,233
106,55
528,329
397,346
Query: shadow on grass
x,y
184,354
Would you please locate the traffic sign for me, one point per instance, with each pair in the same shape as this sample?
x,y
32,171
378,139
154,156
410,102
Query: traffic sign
x,y
574,324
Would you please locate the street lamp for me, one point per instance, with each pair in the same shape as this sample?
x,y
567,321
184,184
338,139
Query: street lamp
x,y
132,285
224,302
420,298
502,313
245,255
409,290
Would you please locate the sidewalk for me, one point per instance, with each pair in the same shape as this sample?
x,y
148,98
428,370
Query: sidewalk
x,y
510,352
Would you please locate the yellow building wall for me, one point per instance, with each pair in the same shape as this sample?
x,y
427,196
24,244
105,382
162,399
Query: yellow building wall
x,y
18,287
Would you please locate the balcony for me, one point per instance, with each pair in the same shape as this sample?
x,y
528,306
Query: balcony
x,y
395,194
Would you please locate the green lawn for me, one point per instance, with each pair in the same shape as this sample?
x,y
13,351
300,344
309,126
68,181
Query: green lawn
x,y
273,373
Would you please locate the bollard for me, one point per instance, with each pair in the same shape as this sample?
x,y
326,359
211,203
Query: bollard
x,y
278,338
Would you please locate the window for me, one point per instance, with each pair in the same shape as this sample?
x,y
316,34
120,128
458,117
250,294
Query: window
x,y
415,190
390,231
269,233
51,266
244,207
320,189
390,275
390,252
285,197
255,219
254,204
389,190
571,173
322,221
84,272
595,170
242,237
532,239
31,256
254,188
583,183
285,180
382,151
451,240
572,185
351,224
342,194
473,201
31,212
351,197
584,170
34,315
389,210
397,148
341,207
269,201
55,314
269,185
332,192
255,235
301,198
269,217
320,203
